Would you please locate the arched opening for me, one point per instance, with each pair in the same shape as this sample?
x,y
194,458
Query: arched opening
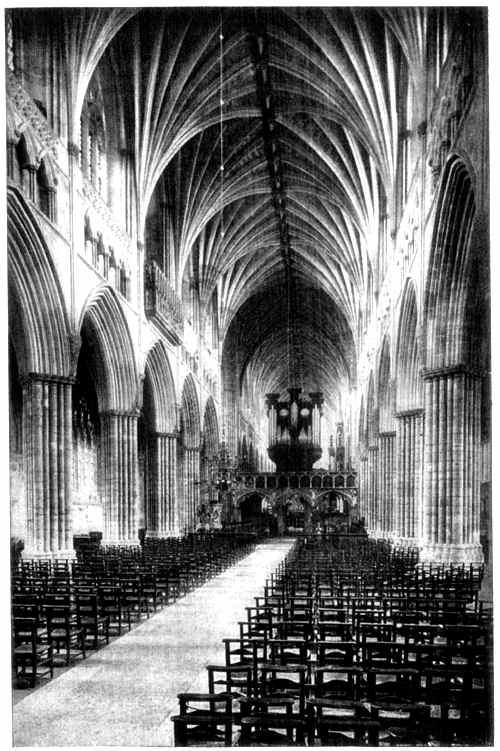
x,y
384,389
371,414
408,360
385,462
146,452
108,368
251,509
457,366
189,456
45,192
18,514
211,500
409,399
40,388
295,515
157,449
257,514
88,513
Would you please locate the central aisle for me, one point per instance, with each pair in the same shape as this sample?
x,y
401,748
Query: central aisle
x,y
125,694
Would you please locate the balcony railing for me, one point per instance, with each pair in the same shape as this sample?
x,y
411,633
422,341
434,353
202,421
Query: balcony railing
x,y
319,480
161,303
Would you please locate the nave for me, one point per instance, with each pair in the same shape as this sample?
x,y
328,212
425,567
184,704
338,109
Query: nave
x,y
248,274
124,694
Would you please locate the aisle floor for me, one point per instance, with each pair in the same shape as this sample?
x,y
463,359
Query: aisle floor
x,y
125,694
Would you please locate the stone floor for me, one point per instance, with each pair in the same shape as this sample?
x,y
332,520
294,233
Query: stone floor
x,y
124,694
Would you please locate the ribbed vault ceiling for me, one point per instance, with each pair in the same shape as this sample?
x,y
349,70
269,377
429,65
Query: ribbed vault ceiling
x,y
311,123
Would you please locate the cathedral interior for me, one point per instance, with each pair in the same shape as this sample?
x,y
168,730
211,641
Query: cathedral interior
x,y
249,375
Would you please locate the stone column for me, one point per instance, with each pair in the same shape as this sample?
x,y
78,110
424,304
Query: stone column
x,y
451,499
386,480
188,488
119,476
373,516
160,500
363,488
407,517
193,484
48,464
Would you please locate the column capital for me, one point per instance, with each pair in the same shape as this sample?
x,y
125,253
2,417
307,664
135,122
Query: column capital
x,y
28,378
416,412
387,434
449,370
136,413
373,447
159,434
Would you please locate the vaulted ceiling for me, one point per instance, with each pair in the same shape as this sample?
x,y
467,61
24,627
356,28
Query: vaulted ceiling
x,y
303,109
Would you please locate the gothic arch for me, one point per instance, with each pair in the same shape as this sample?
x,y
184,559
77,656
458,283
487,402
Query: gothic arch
x,y
37,314
158,372
448,277
190,415
408,359
104,325
384,386
371,414
361,424
210,429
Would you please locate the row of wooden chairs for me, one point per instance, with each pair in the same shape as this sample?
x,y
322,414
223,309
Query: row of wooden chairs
x,y
62,608
358,671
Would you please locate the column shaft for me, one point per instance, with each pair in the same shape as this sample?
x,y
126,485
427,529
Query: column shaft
x,y
451,472
119,476
373,512
159,503
408,440
48,456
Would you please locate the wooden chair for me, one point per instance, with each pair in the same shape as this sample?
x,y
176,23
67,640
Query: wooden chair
x,y
402,724
231,679
288,651
335,653
89,619
284,681
392,685
111,605
348,732
339,682
32,659
63,631
204,719
319,709
272,729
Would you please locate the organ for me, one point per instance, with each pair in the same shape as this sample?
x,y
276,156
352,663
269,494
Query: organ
x,y
294,430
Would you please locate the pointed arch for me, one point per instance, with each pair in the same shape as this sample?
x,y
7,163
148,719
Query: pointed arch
x,y
448,277
408,358
190,415
159,374
384,386
371,413
361,425
210,429
37,313
105,328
